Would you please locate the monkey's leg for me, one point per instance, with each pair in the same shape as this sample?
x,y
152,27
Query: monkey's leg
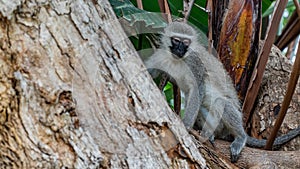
x,y
206,123
212,125
233,122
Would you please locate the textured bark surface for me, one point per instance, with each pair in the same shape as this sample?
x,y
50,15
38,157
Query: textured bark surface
x,y
260,159
274,86
74,93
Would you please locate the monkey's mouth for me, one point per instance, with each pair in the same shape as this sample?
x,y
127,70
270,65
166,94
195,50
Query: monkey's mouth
x,y
178,52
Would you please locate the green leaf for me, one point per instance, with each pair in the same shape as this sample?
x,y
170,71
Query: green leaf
x,y
265,5
126,10
168,90
270,9
198,16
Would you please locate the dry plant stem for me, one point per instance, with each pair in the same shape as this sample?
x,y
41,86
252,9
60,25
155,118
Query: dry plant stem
x,y
290,49
297,7
209,8
290,31
168,12
287,99
259,69
163,81
187,6
165,9
177,99
140,4
161,6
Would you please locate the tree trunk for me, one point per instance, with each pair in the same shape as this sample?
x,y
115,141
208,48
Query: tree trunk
x,y
75,94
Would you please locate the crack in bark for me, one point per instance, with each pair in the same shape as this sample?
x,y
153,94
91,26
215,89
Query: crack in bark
x,y
75,26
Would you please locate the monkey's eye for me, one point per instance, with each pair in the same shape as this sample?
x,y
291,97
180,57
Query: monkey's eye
x,y
175,40
187,42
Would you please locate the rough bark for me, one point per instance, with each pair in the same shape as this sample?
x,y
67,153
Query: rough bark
x,y
218,154
259,159
74,93
273,89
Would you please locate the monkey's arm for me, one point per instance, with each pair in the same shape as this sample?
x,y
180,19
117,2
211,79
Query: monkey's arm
x,y
192,107
155,63
196,91
151,66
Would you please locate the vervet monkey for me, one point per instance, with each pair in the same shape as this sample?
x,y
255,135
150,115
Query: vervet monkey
x,y
211,100
178,57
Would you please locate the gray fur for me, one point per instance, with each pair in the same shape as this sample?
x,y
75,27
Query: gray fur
x,y
211,100
188,73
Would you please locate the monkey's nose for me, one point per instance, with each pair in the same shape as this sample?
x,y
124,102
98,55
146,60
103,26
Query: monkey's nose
x,y
179,53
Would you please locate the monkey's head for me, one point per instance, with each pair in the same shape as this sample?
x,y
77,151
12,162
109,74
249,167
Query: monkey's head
x,y
179,38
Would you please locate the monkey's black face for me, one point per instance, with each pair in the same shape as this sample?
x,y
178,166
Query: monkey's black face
x,y
179,46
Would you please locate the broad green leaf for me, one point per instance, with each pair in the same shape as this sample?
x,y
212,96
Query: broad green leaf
x,y
265,5
125,9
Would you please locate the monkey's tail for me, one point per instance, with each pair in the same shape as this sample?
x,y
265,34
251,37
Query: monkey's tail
x,y
279,141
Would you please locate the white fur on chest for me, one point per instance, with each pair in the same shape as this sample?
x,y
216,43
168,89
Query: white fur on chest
x,y
176,68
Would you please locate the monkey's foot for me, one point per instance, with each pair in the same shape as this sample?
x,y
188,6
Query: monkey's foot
x,y
236,148
212,140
